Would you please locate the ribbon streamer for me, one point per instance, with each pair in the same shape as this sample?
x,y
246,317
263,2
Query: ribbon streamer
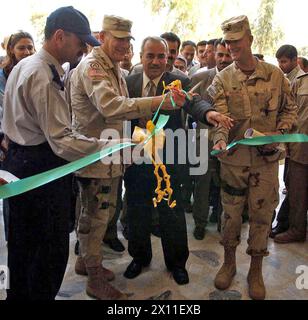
x,y
259,141
38,180
24,185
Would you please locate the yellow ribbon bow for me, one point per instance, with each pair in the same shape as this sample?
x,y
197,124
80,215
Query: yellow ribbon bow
x,y
152,147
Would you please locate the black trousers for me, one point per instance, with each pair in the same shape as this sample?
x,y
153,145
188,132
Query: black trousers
x,y
38,239
283,213
140,184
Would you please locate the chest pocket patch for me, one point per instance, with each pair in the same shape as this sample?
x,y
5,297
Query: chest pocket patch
x,y
263,102
236,104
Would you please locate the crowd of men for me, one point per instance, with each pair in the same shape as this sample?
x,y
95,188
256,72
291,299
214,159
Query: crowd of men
x,y
52,116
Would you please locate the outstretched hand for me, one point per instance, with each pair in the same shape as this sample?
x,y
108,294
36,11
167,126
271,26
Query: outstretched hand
x,y
216,119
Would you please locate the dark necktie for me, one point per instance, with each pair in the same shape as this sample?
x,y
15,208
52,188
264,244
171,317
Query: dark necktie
x,y
150,89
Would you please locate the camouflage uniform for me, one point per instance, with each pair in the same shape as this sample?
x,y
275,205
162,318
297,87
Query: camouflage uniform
x,y
99,101
261,101
297,196
283,213
299,152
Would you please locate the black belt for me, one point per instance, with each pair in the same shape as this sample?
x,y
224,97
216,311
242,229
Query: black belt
x,y
41,146
233,191
39,158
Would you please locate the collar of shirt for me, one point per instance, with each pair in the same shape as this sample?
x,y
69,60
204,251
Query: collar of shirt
x,y
102,56
294,73
202,70
46,56
146,80
259,73
99,53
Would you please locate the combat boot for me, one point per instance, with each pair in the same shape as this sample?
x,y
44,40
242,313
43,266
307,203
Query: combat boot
x,y
255,279
99,288
226,273
80,269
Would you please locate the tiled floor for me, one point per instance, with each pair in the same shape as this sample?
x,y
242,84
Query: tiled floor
x,y
203,263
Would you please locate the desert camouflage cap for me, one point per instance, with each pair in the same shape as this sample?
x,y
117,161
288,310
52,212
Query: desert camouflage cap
x,y
235,28
118,26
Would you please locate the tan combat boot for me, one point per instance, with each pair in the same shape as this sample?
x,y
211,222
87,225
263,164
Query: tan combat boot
x,y
80,269
99,288
226,273
255,279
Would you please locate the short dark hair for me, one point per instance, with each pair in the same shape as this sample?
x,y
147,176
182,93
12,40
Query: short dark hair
x,y
305,61
287,51
219,41
259,56
172,37
202,43
188,43
212,42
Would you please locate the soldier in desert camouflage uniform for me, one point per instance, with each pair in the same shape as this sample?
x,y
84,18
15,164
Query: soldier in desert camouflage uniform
x,y
256,95
99,99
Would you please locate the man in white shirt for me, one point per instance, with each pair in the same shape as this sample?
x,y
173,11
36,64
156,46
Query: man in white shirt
x,y
37,122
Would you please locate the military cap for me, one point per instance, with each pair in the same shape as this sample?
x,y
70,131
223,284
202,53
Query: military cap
x,y
235,28
71,20
118,26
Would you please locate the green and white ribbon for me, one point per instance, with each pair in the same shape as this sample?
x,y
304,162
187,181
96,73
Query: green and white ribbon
x,y
24,185
259,141
38,180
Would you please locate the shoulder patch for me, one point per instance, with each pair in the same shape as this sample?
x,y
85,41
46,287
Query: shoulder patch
x,y
95,72
94,65
212,91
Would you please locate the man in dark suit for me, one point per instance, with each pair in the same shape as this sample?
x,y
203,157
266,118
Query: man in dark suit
x,y
140,179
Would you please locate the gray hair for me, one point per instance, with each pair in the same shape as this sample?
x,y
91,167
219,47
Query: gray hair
x,y
154,39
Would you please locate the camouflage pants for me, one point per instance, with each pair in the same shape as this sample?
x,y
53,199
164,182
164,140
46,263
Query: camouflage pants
x,y
259,188
98,199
